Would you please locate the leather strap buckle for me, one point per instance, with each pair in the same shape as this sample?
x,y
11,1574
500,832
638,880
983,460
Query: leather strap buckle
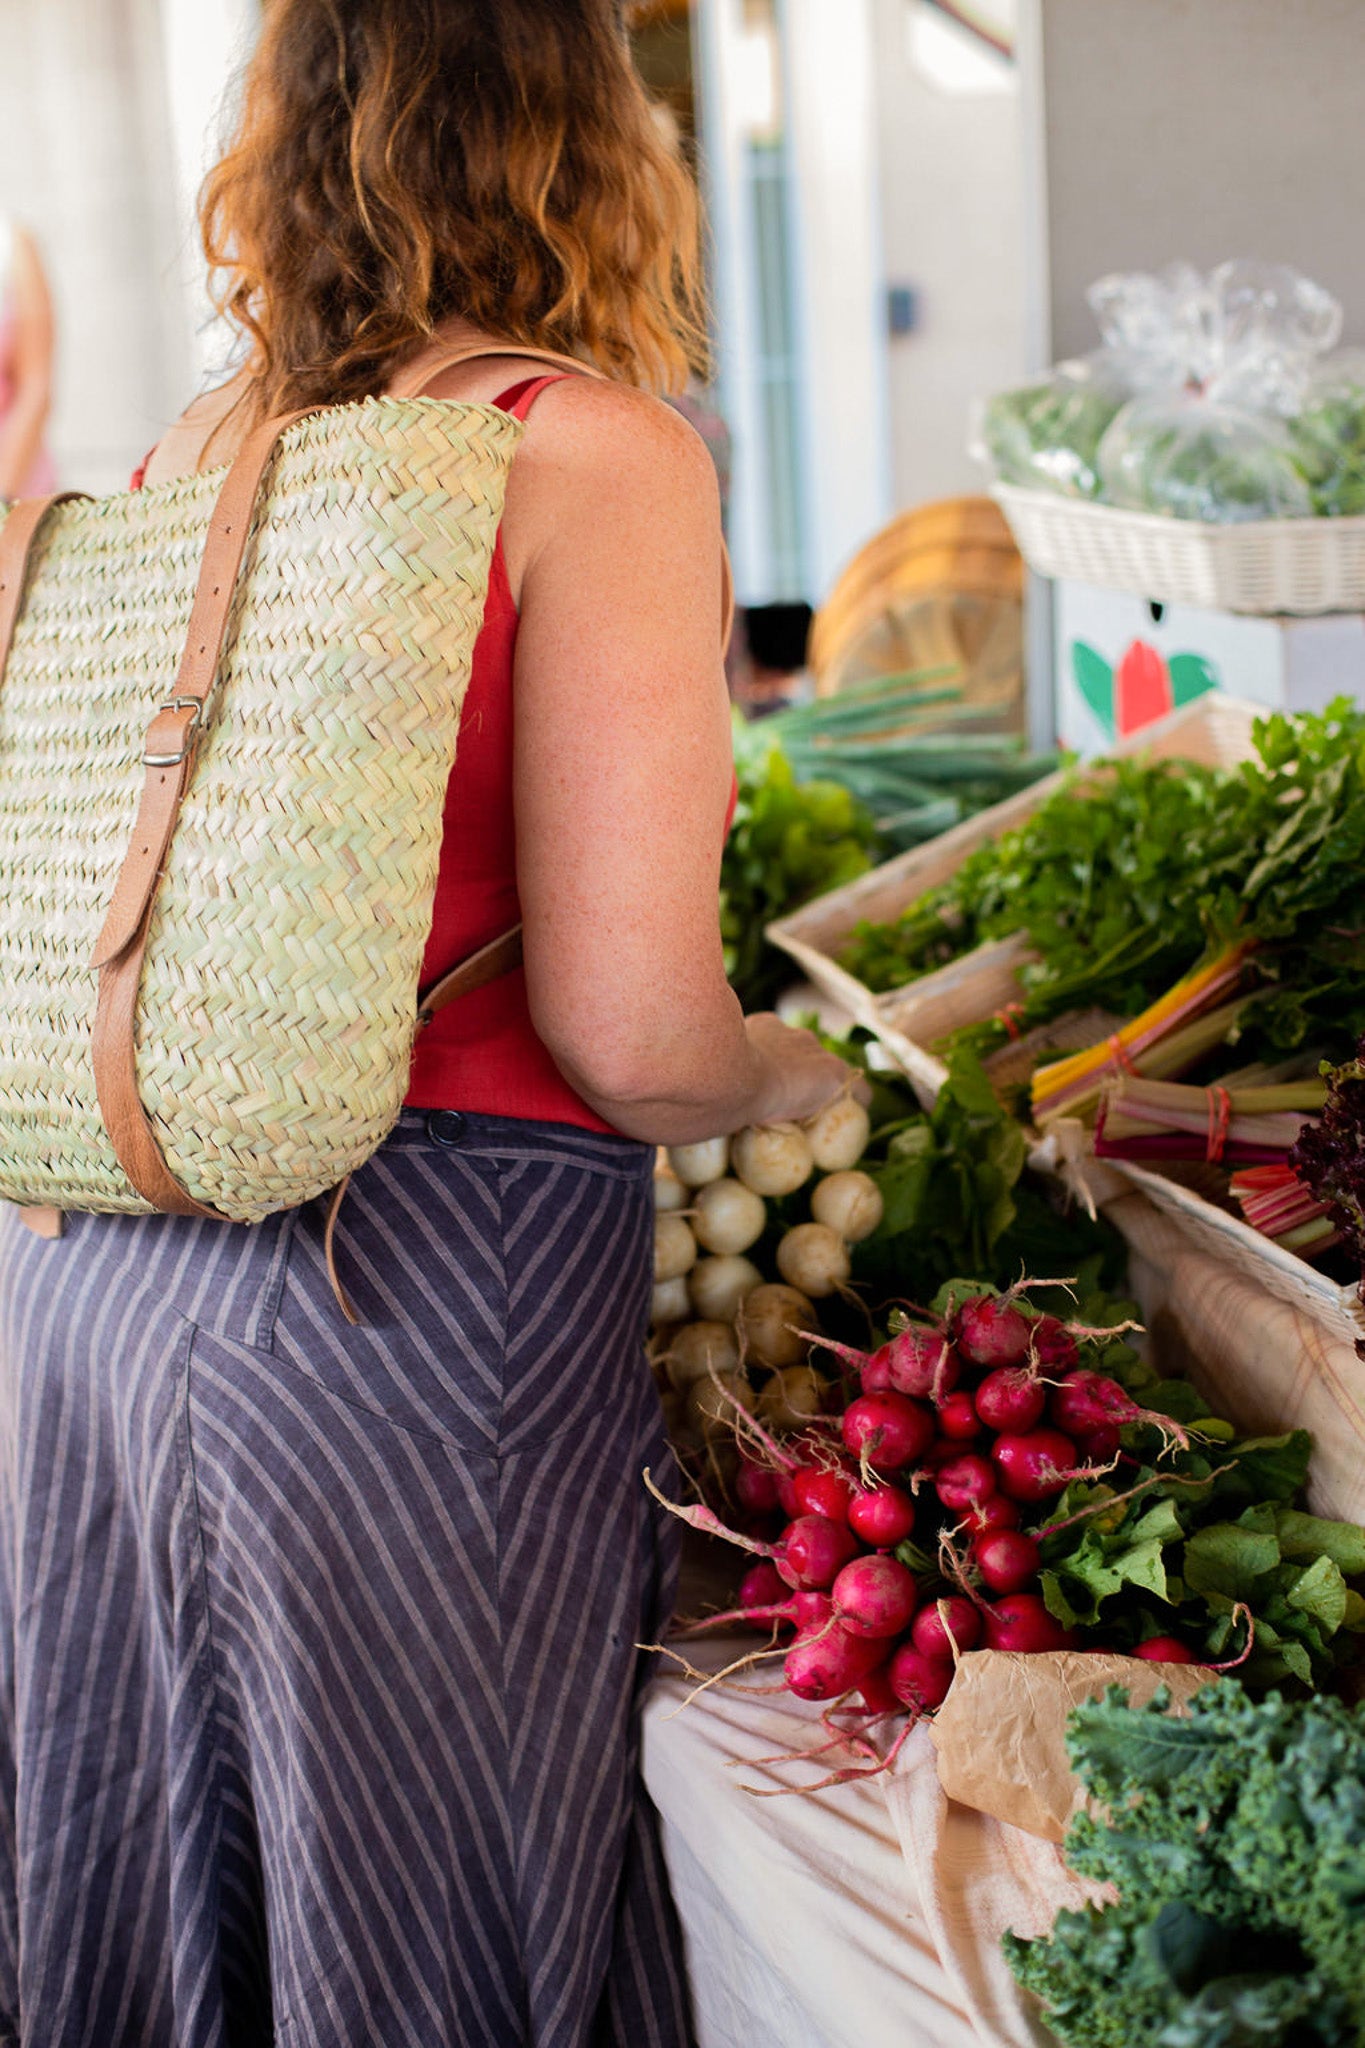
x,y
174,707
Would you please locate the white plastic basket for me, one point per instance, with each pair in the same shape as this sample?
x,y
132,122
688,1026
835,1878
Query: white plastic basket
x,y
1262,566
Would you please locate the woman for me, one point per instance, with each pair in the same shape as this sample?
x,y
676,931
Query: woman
x,y
319,1642
26,350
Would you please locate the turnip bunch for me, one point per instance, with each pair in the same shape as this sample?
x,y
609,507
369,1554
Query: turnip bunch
x,y
736,1283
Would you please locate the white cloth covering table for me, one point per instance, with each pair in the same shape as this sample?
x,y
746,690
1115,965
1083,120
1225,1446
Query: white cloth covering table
x,y
864,1916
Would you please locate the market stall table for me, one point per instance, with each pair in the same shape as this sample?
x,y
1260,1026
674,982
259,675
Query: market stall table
x,y
864,1916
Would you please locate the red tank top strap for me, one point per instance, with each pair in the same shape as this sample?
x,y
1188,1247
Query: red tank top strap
x,y
519,398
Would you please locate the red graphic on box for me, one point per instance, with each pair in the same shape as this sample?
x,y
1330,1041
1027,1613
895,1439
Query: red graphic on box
x,y
1143,689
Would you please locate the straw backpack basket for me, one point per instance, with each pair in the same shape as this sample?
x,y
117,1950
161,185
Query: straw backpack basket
x,y
228,714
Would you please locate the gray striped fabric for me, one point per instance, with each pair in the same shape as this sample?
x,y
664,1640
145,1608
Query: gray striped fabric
x,y
317,1707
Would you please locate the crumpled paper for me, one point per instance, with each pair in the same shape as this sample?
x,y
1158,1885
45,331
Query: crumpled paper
x,y
1001,1732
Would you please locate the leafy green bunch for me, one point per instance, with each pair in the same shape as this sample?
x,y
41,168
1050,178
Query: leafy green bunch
x,y
788,841
1206,1544
1236,1840
957,1198
1122,881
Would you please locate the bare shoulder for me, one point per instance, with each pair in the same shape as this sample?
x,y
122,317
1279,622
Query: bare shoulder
x,y
587,421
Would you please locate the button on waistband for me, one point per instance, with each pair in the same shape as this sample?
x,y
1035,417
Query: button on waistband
x,y
446,1126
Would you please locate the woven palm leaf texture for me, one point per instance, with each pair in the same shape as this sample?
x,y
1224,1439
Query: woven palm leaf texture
x,y
278,995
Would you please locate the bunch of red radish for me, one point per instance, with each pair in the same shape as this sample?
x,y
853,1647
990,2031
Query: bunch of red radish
x,y
956,1433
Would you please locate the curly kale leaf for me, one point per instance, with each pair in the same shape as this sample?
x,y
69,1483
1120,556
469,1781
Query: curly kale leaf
x,y
1236,1840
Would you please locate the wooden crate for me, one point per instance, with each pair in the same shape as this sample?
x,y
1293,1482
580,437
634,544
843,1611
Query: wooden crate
x,y
909,1021
1216,731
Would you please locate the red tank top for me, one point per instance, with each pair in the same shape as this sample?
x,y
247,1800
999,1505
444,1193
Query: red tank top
x,y
481,1052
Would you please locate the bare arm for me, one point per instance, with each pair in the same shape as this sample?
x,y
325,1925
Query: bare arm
x,y
22,434
623,774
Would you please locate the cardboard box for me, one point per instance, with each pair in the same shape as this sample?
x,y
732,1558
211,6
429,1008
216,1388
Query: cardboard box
x,y
1123,661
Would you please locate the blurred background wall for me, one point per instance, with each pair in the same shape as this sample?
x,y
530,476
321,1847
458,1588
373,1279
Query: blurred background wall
x,y
908,198
106,113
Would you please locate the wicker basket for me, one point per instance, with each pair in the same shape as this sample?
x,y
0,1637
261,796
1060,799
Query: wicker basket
x,y
1265,1356
277,999
1262,566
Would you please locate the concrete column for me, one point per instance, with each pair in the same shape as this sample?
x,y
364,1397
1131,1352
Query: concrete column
x,y
85,164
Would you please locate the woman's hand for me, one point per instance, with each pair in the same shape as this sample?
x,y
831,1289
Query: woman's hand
x,y
802,1078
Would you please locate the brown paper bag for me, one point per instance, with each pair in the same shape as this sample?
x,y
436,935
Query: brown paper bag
x,y
1001,1732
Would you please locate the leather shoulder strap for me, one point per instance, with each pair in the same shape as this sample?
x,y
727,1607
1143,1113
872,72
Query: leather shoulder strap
x,y
414,378
168,755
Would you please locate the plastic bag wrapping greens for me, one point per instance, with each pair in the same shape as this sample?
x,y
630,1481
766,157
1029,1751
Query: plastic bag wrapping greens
x,y
1047,435
1207,438
1192,406
1329,435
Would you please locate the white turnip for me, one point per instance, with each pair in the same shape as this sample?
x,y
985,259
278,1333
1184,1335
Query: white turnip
x,y
718,1286
712,1403
675,1248
810,1257
669,1192
838,1135
850,1204
772,1159
698,1350
728,1217
671,1303
791,1397
770,1322
697,1164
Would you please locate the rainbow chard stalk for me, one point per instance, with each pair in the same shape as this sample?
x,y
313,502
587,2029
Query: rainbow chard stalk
x,y
1233,1124
1169,1037
1276,1202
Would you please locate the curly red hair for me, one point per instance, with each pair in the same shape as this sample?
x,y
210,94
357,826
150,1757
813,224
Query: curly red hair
x,y
403,162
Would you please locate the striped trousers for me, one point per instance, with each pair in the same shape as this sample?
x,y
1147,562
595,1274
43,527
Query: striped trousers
x,y
319,1672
